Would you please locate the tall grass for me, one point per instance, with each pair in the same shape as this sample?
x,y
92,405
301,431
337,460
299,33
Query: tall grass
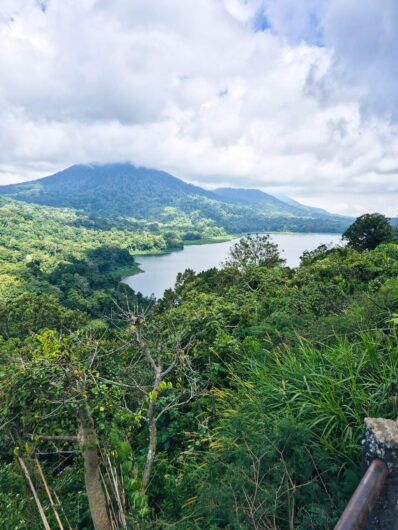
x,y
329,390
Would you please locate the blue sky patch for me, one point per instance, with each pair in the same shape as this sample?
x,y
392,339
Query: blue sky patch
x,y
42,4
261,22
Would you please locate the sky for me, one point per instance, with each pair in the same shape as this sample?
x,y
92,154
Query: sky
x,y
295,97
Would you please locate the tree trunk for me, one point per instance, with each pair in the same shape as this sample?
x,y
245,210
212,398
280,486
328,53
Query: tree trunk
x,y
88,446
153,433
150,459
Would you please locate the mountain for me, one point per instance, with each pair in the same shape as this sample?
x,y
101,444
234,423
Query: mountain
x,y
273,203
303,207
125,190
257,198
110,189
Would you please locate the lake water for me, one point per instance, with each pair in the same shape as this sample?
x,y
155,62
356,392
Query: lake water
x,y
160,271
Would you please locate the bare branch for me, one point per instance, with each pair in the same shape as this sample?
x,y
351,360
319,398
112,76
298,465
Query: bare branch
x,y
73,439
35,496
144,348
48,492
169,369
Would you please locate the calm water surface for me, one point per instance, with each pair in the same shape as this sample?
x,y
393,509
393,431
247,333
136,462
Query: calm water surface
x,y
160,271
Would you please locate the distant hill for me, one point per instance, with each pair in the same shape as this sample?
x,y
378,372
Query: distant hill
x,y
257,198
279,204
125,190
305,208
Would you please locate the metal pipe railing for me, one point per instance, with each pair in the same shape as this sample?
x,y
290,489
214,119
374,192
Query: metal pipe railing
x,y
363,501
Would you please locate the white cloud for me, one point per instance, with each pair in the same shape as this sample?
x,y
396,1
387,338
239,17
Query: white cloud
x,y
190,87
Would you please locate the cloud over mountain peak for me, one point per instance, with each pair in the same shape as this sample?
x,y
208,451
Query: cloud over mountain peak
x,y
296,96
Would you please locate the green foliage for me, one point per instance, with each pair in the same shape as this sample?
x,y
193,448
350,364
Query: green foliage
x,y
330,390
29,312
245,331
311,256
262,474
368,231
276,369
288,441
255,250
14,502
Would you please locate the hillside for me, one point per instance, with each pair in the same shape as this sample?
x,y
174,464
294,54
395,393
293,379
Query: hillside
x,y
266,371
124,190
256,198
111,189
303,207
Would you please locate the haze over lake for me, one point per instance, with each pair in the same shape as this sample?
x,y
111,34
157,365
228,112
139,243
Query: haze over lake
x,y
160,271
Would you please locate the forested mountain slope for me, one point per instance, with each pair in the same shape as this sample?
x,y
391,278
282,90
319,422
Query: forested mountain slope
x,y
236,401
124,190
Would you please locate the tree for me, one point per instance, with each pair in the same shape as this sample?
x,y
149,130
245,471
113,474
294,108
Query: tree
x,y
56,381
254,250
160,345
368,231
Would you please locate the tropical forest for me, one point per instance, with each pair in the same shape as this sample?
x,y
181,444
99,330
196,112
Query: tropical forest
x,y
234,401
198,265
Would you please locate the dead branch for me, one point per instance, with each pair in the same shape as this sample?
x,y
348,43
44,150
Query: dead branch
x,y
73,439
35,496
47,490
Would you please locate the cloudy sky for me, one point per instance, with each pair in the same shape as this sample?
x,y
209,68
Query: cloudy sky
x,y
298,97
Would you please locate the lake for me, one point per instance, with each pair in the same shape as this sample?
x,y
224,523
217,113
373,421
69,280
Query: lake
x,y
160,271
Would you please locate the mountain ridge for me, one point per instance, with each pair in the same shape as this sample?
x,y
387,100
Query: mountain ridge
x,y
126,190
254,196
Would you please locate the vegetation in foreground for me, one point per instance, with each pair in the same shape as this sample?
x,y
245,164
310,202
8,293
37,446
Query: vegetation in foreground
x,y
237,401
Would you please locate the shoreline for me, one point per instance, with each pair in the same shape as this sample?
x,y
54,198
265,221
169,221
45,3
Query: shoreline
x,y
224,239
128,272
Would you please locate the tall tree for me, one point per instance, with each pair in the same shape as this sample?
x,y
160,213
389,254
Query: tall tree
x,y
162,351
368,231
56,376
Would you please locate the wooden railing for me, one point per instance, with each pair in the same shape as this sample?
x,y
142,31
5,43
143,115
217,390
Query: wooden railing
x,y
362,503
374,504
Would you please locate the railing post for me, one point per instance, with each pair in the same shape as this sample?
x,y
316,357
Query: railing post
x,y
381,443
